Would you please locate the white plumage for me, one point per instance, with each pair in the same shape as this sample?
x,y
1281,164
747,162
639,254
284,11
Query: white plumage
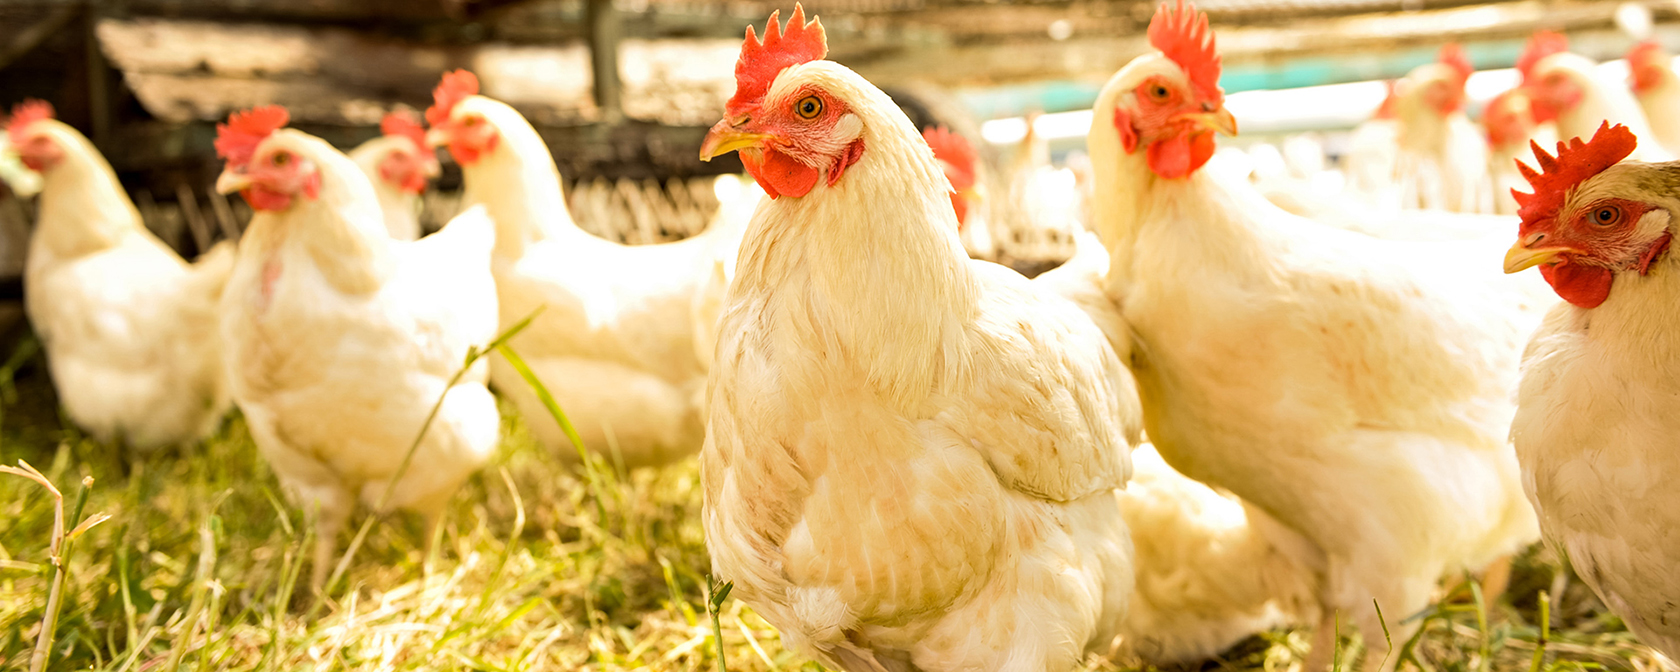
x,y
128,326
1354,389
615,343
912,455
341,340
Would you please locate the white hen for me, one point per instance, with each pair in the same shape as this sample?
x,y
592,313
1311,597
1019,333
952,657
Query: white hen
x,y
398,162
128,326
912,455
341,340
615,344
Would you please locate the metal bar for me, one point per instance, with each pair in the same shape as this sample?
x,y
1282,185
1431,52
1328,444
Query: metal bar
x,y
605,30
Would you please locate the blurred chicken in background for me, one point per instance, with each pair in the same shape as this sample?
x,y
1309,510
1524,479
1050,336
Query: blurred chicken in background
x,y
1510,127
1651,75
127,325
342,340
399,163
1373,150
616,341
1570,90
1442,158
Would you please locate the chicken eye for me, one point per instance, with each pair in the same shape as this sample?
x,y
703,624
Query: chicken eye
x,y
809,107
281,158
1159,92
1606,216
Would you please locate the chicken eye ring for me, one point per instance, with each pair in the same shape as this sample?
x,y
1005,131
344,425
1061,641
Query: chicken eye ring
x,y
1599,216
808,107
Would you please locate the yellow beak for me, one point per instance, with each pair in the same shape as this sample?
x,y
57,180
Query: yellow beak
x,y
437,137
1520,257
725,137
1219,120
230,182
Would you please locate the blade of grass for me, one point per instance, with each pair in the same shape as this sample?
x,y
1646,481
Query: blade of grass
x,y
716,594
59,550
518,364
1545,633
1481,626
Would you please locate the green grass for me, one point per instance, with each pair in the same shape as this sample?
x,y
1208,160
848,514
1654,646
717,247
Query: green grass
x,y
202,566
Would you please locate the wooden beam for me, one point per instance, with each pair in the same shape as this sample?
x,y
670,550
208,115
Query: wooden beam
x,y
98,83
604,35
31,37
632,149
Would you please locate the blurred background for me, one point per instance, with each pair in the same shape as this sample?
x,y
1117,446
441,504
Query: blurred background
x,y
623,91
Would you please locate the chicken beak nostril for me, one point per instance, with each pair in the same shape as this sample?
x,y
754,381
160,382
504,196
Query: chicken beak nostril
x,y
1533,239
1207,107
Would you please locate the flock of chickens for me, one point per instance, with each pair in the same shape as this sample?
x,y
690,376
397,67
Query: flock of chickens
x,y
1241,405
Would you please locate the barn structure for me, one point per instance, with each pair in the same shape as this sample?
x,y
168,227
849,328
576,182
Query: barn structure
x,y
624,90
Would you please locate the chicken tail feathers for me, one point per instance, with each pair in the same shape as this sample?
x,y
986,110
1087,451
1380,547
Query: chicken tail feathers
x,y
1210,570
210,270
470,235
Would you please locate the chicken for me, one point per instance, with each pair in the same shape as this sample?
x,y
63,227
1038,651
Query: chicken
x,y
1354,389
1657,89
127,325
961,166
1210,570
1510,128
615,343
399,163
1596,411
912,456
341,340
736,205
1442,158
1567,89
1373,150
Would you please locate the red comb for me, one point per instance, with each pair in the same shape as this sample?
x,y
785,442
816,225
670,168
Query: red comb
x,y
454,88
26,113
1575,162
237,140
1453,55
1642,60
1542,44
953,150
1182,34
403,123
1644,52
1387,109
761,61
1506,118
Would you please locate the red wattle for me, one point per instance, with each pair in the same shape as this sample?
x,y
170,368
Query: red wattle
x,y
262,198
780,175
1176,157
1128,135
1584,286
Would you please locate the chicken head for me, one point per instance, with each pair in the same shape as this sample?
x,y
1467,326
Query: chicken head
x,y
270,174
408,162
1551,89
1589,219
457,122
32,132
790,118
1170,104
961,165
